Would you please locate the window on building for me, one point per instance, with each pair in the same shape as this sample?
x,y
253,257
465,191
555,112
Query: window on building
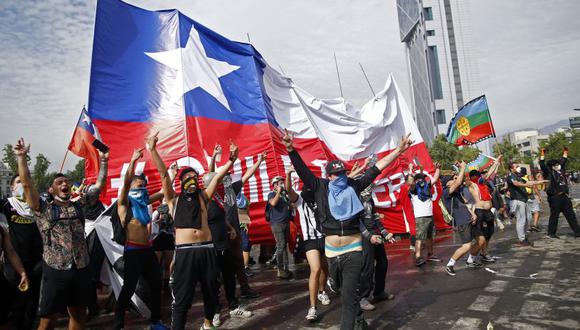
x,y
428,13
440,117
430,33
434,72
526,144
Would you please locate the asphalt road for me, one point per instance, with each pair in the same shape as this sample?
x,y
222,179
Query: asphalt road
x,y
428,298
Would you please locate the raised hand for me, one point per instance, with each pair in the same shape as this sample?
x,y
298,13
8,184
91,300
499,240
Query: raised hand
x,y
262,156
437,165
405,143
287,140
217,150
20,148
137,154
233,151
103,155
173,170
151,142
462,165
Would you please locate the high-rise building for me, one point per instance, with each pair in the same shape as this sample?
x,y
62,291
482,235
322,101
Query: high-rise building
x,y
443,74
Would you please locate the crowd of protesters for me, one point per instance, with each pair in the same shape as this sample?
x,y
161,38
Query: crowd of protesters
x,y
53,260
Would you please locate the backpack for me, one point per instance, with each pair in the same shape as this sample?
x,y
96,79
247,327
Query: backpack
x,y
267,211
119,232
55,217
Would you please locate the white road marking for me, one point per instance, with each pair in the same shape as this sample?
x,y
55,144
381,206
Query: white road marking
x,y
466,323
535,309
483,303
496,286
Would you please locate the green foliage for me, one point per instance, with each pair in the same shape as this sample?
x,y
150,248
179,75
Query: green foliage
x,y
9,157
447,154
78,173
40,176
556,143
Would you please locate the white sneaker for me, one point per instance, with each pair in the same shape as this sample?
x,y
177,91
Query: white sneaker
x,y
323,298
241,313
216,320
366,306
311,316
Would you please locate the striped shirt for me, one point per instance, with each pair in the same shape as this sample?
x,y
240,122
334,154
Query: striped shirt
x,y
310,228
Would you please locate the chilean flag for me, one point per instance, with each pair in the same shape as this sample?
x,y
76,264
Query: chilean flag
x,y
160,71
82,140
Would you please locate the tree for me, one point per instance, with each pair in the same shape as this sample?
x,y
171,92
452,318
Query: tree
x,y
9,157
40,171
78,173
556,143
447,154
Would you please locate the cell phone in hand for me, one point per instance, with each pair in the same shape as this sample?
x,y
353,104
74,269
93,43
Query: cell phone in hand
x,y
100,146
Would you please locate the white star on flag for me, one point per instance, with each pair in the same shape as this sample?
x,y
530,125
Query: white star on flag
x,y
194,69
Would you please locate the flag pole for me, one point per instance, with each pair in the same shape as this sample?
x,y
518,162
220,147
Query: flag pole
x,y
338,75
367,78
63,161
248,35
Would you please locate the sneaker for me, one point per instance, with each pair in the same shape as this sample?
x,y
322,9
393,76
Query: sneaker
x,y
159,326
248,294
216,319
240,312
412,247
552,236
248,272
419,262
449,270
284,274
323,298
433,258
366,305
204,328
332,285
383,296
487,258
475,264
312,315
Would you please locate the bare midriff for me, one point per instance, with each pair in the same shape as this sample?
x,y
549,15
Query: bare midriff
x,y
137,232
340,243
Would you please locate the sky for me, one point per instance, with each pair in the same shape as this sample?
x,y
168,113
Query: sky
x,y
528,56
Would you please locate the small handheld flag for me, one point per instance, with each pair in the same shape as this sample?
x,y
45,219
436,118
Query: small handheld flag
x,y
480,163
81,144
471,124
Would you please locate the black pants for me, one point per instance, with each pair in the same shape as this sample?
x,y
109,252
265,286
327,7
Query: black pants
x,y
374,269
226,263
238,259
97,254
25,304
141,262
562,204
193,264
345,270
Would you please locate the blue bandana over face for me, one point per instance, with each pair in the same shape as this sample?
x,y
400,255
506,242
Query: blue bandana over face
x,y
139,198
342,199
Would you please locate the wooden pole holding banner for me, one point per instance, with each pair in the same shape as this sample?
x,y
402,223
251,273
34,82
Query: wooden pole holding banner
x,y
248,35
367,78
338,75
66,153
63,160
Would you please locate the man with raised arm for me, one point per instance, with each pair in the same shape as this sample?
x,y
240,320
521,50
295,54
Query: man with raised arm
x,y
65,275
339,212
230,190
138,256
195,257
558,198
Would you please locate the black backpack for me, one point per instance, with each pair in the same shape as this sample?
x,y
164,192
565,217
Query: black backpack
x,y
119,232
267,211
55,217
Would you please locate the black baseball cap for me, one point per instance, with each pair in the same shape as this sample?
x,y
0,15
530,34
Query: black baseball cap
x,y
335,167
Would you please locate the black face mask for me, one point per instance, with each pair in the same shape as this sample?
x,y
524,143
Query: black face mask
x,y
188,183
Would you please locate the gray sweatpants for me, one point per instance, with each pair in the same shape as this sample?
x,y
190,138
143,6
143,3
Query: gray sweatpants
x,y
520,211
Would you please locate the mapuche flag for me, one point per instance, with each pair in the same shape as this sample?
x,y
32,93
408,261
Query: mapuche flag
x,y
471,124
480,163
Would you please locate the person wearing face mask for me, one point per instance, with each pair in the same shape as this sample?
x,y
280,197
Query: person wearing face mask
x,y
558,199
339,212
421,193
518,202
138,256
65,272
27,243
195,255
280,214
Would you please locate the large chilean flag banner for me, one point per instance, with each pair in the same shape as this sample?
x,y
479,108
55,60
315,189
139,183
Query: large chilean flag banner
x,y
160,71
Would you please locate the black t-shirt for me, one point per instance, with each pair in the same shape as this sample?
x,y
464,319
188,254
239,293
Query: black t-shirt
x,y
216,218
24,235
516,193
232,211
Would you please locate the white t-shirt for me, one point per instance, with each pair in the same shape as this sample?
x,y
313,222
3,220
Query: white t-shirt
x,y
310,229
422,208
